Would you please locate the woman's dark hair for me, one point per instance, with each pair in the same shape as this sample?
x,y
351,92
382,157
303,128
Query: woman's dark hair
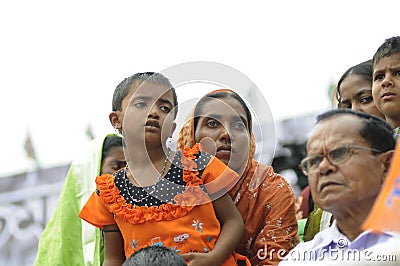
x,y
374,130
221,95
109,143
363,69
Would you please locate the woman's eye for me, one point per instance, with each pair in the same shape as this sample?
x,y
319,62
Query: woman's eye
x,y
239,125
366,99
397,73
212,123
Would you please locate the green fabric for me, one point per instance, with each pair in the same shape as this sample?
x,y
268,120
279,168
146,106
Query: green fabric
x,y
301,225
312,226
68,240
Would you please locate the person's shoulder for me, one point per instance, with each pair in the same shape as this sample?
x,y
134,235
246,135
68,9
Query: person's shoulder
x,y
393,237
321,240
386,244
267,179
268,172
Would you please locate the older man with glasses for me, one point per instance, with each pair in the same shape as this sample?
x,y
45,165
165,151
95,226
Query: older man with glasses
x,y
348,157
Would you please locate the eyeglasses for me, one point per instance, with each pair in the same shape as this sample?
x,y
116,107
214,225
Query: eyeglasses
x,y
336,156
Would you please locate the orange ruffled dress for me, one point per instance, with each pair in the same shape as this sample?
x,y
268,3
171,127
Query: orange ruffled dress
x,y
188,224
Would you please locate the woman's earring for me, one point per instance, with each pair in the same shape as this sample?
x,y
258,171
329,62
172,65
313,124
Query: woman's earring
x,y
170,143
117,131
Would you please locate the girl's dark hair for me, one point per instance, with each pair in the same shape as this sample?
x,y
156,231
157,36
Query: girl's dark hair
x,y
363,69
109,143
125,86
374,130
221,95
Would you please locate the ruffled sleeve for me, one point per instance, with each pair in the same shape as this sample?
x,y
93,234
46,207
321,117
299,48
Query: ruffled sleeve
x,y
96,213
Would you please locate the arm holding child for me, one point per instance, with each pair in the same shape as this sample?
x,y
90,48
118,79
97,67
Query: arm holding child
x,y
231,233
232,226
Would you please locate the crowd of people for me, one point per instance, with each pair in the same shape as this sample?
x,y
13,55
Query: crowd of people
x,y
131,200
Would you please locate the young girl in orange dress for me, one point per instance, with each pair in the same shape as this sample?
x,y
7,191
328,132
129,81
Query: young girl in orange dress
x,y
162,198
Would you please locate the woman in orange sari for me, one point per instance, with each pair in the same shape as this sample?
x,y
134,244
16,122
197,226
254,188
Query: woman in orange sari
x,y
222,123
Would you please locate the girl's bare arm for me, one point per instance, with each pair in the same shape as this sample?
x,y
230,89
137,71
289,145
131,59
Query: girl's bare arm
x,y
114,254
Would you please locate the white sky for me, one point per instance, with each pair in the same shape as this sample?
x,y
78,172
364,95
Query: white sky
x,y
61,60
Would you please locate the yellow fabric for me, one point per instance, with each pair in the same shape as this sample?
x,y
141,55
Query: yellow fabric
x,y
313,223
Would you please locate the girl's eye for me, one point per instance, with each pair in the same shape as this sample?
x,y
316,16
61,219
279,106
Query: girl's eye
x,y
212,123
397,73
140,104
366,100
165,109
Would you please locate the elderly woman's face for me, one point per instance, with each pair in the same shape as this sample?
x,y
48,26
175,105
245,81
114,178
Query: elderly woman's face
x,y
356,180
224,123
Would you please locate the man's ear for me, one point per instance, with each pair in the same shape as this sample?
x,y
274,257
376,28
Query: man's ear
x,y
386,160
113,117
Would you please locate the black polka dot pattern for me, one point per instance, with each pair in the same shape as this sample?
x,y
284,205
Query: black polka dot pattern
x,y
165,190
